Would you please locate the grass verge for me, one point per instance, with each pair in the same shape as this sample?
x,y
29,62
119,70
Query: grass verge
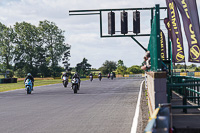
x,y
20,84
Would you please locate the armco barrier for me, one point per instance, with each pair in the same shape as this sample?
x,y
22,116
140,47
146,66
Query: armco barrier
x,y
129,75
195,74
126,75
13,80
190,73
89,76
161,120
8,80
176,74
119,76
183,74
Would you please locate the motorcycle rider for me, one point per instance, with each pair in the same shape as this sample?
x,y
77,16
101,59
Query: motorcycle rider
x,y
65,75
29,76
99,75
91,75
112,75
108,75
77,76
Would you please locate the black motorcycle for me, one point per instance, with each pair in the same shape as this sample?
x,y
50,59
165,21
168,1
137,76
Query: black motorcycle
x,y
100,77
91,78
75,84
65,81
111,76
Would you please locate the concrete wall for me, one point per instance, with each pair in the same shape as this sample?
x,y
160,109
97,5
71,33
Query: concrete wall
x,y
156,84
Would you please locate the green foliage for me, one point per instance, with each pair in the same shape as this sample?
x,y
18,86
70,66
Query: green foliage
x,y
120,63
65,58
53,40
83,68
32,49
135,69
1,67
180,66
108,66
42,63
11,73
20,73
121,70
94,69
7,37
58,71
182,70
26,44
192,66
197,69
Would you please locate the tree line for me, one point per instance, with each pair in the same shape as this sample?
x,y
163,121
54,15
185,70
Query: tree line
x,y
84,68
185,67
119,68
26,48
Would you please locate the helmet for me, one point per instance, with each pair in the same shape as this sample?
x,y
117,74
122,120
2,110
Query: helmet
x,y
147,54
29,74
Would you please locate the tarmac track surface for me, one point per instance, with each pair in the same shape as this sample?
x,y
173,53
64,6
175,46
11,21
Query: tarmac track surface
x,y
106,106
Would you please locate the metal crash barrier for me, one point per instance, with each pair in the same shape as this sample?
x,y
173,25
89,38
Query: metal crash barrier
x,y
161,120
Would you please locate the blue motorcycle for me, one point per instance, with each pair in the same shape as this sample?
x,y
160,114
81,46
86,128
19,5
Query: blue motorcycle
x,y
28,86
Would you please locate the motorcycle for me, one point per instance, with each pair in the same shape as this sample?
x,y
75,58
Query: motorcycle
x,y
65,81
111,76
100,77
91,78
28,86
75,84
108,76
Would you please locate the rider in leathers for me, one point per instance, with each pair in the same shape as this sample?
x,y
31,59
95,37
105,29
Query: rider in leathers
x,y
77,76
29,76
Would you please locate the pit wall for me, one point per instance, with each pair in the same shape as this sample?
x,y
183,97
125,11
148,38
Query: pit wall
x,y
156,85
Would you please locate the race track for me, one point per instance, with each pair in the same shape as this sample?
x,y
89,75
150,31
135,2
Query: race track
x,y
106,106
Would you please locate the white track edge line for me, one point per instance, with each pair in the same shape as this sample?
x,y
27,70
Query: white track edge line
x,y
135,119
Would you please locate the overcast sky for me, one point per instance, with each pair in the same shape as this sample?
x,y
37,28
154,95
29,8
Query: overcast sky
x,y
82,32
